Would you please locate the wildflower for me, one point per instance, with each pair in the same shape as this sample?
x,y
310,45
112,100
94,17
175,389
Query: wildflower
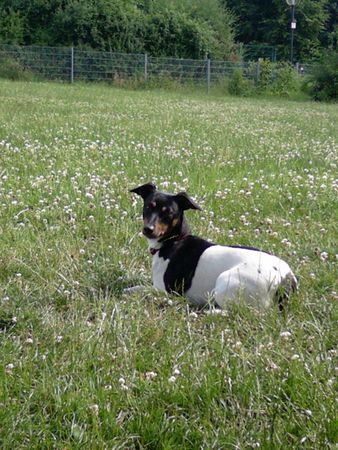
x,y
95,409
324,256
285,335
272,366
334,295
123,385
150,375
172,379
9,367
295,357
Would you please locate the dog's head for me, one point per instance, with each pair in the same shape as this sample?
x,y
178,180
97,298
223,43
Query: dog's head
x,y
163,213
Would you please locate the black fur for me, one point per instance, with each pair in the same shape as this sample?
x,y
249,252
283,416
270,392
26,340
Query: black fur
x,y
183,256
182,249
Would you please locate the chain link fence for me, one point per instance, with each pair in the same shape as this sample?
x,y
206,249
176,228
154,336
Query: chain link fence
x,y
73,64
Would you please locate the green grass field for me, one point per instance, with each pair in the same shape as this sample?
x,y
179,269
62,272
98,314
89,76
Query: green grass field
x,y
82,365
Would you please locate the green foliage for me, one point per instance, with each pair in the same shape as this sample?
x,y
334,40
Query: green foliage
x,y
11,26
286,80
173,33
237,84
269,22
182,29
264,75
323,83
12,70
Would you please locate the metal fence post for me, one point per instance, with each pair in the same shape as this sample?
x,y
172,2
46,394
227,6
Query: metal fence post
x,y
258,71
145,67
208,76
72,64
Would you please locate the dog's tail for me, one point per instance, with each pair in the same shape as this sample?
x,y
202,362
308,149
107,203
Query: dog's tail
x,y
288,285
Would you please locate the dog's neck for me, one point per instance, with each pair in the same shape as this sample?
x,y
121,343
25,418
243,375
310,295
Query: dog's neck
x,y
178,233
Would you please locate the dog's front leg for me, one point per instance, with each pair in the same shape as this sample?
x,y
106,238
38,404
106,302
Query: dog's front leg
x,y
133,289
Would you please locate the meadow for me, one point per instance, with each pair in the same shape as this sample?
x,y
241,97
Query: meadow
x,y
84,366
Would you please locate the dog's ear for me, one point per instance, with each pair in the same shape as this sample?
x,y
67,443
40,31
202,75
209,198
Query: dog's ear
x,y
185,202
144,190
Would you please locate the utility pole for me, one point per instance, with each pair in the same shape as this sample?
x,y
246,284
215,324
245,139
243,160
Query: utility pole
x,y
292,3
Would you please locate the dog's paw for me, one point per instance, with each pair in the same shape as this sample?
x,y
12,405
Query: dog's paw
x,y
132,290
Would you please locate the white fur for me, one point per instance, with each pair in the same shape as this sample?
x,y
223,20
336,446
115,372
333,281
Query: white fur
x,y
159,265
230,274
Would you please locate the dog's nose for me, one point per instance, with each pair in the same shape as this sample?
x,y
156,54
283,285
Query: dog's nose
x,y
148,230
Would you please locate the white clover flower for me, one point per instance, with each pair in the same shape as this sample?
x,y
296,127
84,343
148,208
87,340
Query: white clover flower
x,y
324,256
272,366
285,335
150,375
295,357
95,409
172,379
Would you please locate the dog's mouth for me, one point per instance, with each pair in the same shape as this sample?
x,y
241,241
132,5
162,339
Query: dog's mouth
x,y
156,231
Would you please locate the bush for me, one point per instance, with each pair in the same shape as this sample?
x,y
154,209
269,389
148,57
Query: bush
x,y
264,75
286,80
238,85
12,70
322,85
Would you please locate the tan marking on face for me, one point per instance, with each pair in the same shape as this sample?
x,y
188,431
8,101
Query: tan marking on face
x,y
164,208
152,204
160,228
174,223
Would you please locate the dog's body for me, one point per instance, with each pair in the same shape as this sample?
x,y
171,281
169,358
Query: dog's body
x,y
203,271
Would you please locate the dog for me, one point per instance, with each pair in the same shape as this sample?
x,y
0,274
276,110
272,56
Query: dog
x,y
200,270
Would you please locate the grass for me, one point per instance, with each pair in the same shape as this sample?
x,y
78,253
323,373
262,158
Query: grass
x,y
83,366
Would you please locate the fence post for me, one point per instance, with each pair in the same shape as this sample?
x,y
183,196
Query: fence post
x,y
145,67
72,64
208,76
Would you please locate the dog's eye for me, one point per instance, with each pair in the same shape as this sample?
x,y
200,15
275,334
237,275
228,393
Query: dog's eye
x,y
150,206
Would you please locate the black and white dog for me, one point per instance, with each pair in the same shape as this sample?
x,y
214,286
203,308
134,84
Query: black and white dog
x,y
203,271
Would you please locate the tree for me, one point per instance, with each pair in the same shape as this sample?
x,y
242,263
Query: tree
x,y
181,28
268,21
